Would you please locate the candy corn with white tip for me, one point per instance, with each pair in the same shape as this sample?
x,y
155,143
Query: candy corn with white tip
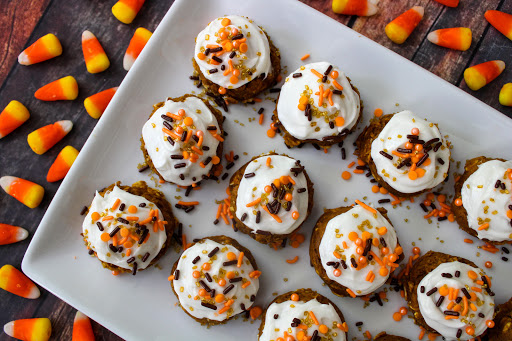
x,y
363,8
126,10
42,139
62,164
401,28
501,21
10,234
15,282
506,95
82,329
480,75
139,40
44,48
38,329
456,38
26,192
14,115
65,88
96,59
449,3
96,104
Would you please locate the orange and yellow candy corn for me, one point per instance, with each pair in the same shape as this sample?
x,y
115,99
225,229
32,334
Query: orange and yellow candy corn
x,y
15,282
44,48
26,192
506,95
457,38
449,3
62,89
62,164
401,28
139,40
480,75
364,8
10,234
96,59
96,104
82,329
501,21
14,115
46,137
126,10
38,329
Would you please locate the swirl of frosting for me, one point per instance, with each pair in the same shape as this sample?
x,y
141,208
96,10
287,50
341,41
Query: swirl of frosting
x,y
311,109
410,162
180,138
210,284
112,234
359,249
454,300
486,196
237,44
280,316
279,182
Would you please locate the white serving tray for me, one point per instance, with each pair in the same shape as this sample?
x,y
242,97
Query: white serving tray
x,y
143,307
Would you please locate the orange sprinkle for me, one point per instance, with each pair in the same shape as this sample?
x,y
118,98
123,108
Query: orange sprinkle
x,y
304,57
294,297
422,334
378,112
240,259
313,317
106,218
484,226
255,312
253,203
316,73
184,241
105,237
116,204
188,203
337,85
292,261
397,316
272,215
346,175
358,171
246,284
255,274
95,216
363,205
350,165
351,293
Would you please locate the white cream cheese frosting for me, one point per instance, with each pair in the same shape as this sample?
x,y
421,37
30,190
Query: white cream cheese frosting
x,y
388,156
346,237
332,115
105,216
244,54
261,182
168,151
227,289
469,303
279,318
487,197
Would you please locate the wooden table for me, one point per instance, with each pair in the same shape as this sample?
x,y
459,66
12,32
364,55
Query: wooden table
x,y
22,22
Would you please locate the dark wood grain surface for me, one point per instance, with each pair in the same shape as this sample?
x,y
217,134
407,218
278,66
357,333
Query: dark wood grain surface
x,y
22,22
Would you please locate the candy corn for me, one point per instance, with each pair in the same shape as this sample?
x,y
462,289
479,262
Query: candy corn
x,y
15,282
14,115
11,234
363,8
449,3
139,40
46,137
62,89
26,192
126,10
506,95
457,38
480,75
38,329
44,48
401,28
501,21
96,104
62,164
82,329
96,59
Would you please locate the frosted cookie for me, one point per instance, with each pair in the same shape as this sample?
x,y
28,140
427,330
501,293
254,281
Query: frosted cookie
x,y
317,104
450,296
354,249
182,140
303,314
406,154
128,228
215,279
483,199
271,197
235,59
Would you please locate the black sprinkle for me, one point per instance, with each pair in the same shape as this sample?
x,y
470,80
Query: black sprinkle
x,y
91,251
146,256
213,252
422,289
209,305
143,168
249,175
275,90
386,155
100,226
441,161
326,73
176,274
205,286
383,201
229,263
228,289
276,316
431,291
85,209
343,154
196,260
194,78
457,273
258,217
208,278
114,231
142,204
217,59
297,75
440,301
180,165
423,207
232,55
302,190
134,271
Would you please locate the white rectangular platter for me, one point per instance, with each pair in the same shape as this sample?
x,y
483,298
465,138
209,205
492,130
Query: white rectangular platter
x,y
143,307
